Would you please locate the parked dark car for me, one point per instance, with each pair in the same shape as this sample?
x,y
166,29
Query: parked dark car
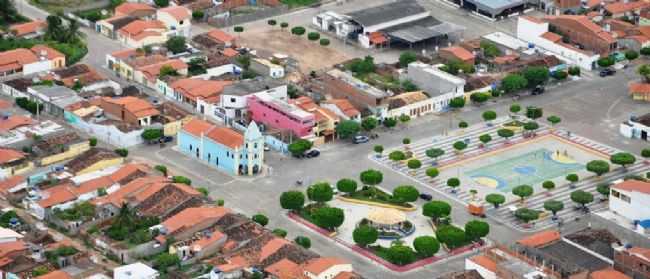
x,y
426,197
607,72
360,139
312,153
538,90
166,139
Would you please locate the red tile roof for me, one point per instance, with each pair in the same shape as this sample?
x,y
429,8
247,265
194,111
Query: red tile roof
x,y
136,106
230,52
271,247
10,182
151,72
633,185
177,12
533,19
58,195
589,25
193,216
9,247
540,239
156,187
198,88
226,136
28,28
129,8
319,265
552,37
49,52
9,155
345,106
220,36
608,273
16,58
140,29
639,87
196,127
640,252
121,196
624,6
14,122
57,274
485,262
128,170
93,185
285,269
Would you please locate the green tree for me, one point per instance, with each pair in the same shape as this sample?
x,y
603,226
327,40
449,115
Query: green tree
x,y
490,49
559,75
404,118
260,219
436,210
324,42
407,58
574,71
605,62
92,141
378,149
513,82
298,30
572,178
406,193
536,75
329,217
475,230
363,66
198,15
622,158
161,3
515,108
603,189
548,185
463,125
479,98
554,119
644,71
553,206
320,192
299,147
176,44
371,177
162,169
284,25
313,36
582,197
271,22
369,123
495,199
401,255
426,246
414,164
406,141
599,167
457,103
645,153
485,138
523,191
460,145
166,260
204,191
526,214
292,200
181,179
451,236
151,134
531,126
396,156
489,115
631,54
303,241
390,122
346,185
534,112
453,183
505,133
39,270
432,172
347,128
434,153
280,233
167,70
238,29
365,235
123,152
645,51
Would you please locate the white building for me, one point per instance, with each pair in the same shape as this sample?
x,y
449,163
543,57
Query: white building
x,y
7,235
631,199
636,127
267,68
233,104
135,271
177,19
536,32
441,86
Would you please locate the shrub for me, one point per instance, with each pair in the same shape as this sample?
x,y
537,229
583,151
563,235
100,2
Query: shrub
x,y
260,219
324,42
298,30
574,71
280,233
122,152
313,36
303,241
92,141
182,179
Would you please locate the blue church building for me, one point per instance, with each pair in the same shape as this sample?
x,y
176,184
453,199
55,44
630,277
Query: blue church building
x,y
223,147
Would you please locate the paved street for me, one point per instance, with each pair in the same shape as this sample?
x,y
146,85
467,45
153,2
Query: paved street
x,y
591,108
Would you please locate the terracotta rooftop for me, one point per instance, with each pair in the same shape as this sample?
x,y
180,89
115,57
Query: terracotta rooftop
x,y
271,247
640,252
127,171
139,29
130,8
609,273
639,87
136,106
89,158
58,195
124,54
624,6
345,106
13,246
230,52
138,61
16,58
161,199
223,135
193,216
220,36
122,195
57,274
9,155
15,121
151,72
198,88
27,28
318,265
485,262
49,52
540,239
533,19
285,269
589,25
633,185
10,182
196,127
177,12
459,52
552,37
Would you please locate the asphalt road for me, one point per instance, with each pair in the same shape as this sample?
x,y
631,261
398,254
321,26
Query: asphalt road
x,y
592,108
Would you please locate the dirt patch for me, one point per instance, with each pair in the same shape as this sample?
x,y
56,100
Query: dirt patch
x,y
310,55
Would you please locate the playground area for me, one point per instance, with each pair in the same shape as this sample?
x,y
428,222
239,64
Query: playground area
x,y
530,162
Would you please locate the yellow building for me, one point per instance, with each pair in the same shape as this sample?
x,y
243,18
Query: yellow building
x,y
13,162
60,148
93,160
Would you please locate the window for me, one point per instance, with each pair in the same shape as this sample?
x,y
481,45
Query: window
x,y
181,22
232,100
615,193
255,145
227,154
625,198
190,147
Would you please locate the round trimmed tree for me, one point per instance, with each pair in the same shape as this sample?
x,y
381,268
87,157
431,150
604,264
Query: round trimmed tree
x,y
526,215
371,177
463,125
572,178
515,108
548,185
451,236
599,167
298,30
434,153
401,255
453,183
432,173
313,36
406,193
303,241
329,217
436,210
489,115
476,229
396,156
292,200
460,145
622,158
426,246
365,235
603,189
260,219
645,153
378,149
581,197
554,120
485,138
505,133
495,199
553,206
414,164
320,192
346,185
522,191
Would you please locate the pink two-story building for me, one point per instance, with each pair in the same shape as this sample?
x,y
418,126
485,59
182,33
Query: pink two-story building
x,y
274,113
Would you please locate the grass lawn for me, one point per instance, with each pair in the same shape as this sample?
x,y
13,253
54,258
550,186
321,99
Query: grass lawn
x,y
298,3
379,196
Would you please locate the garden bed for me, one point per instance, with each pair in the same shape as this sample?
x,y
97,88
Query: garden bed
x,y
305,214
376,195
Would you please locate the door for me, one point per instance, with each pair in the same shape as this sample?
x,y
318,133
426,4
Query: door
x,y
644,135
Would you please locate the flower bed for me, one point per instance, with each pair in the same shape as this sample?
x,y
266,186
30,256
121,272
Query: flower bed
x,y
373,194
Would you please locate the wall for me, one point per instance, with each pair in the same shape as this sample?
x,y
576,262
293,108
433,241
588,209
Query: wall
x,y
261,113
8,90
37,67
172,128
276,144
484,272
434,81
637,209
180,28
223,159
109,134
72,151
102,165
103,84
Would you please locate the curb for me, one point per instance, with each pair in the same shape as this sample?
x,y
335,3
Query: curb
x,y
356,201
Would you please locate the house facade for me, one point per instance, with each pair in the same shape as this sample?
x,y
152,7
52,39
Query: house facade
x,y
278,114
224,148
631,200
177,19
